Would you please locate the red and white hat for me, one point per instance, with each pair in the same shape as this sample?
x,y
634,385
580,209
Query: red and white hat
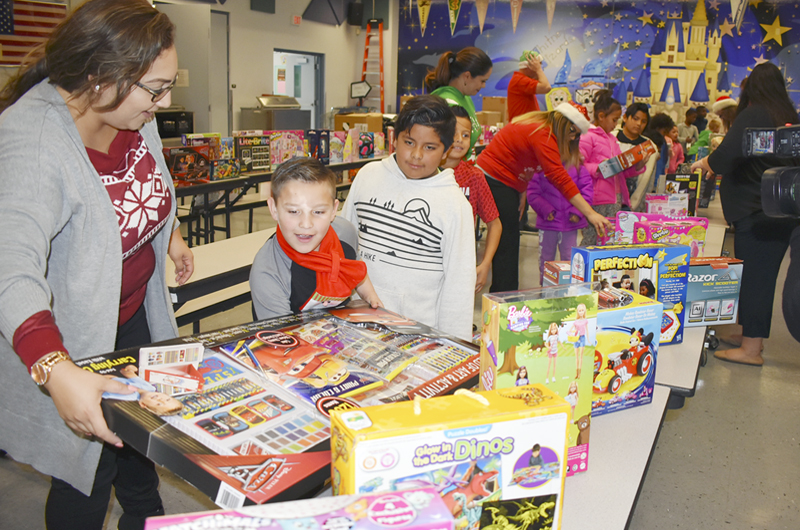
x,y
576,114
723,102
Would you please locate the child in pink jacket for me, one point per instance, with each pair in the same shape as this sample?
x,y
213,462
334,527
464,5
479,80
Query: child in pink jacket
x,y
676,151
597,146
558,221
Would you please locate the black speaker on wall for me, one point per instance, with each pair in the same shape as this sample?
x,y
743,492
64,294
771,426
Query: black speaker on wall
x,y
355,14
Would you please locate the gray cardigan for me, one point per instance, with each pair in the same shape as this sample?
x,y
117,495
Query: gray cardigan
x,y
61,251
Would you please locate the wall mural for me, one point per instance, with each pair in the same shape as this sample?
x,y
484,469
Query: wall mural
x,y
671,55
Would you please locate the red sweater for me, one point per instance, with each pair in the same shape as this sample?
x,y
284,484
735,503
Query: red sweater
x,y
517,152
521,95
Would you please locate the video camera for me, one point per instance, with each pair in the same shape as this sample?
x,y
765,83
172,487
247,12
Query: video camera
x,y
780,186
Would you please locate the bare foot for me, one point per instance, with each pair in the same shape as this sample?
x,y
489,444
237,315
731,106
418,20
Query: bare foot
x,y
732,334
749,353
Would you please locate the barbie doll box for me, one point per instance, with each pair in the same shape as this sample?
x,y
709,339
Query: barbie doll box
x,y
628,333
494,456
657,271
545,336
420,509
713,295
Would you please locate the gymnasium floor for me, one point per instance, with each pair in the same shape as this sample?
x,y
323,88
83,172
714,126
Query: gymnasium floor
x,y
730,458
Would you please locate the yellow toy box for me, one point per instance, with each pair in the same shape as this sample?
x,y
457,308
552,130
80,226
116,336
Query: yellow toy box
x,y
495,457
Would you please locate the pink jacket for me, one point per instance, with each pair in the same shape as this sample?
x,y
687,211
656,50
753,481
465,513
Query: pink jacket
x,y
676,158
597,146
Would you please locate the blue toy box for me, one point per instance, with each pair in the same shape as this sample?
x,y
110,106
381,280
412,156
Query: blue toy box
x,y
626,353
658,271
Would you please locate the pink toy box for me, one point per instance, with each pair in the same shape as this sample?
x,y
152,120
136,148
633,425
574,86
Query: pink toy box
x,y
625,224
419,509
689,231
674,204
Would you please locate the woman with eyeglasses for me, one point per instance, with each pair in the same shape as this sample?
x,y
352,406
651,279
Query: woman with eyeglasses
x,y
536,141
87,208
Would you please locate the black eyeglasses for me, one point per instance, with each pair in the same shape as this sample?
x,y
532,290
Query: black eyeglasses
x,y
159,94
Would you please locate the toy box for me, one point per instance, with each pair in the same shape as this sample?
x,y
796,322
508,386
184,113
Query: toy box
x,y
713,294
625,221
420,509
223,168
610,237
226,149
252,149
318,144
212,140
556,273
380,145
688,183
631,157
628,334
482,450
366,145
689,231
188,165
337,141
673,205
657,271
285,145
544,336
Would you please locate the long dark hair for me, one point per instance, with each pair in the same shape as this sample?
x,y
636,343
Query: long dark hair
x,y
103,42
451,65
604,102
766,86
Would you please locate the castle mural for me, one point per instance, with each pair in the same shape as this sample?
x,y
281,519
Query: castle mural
x,y
671,55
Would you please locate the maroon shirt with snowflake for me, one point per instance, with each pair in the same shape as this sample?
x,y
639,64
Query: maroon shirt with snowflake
x,y
141,200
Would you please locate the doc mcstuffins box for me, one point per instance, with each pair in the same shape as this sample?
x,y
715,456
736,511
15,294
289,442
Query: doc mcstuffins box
x,y
544,336
493,456
419,509
689,231
657,271
713,295
625,356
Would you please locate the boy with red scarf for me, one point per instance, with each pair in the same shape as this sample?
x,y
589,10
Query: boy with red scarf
x,y
310,261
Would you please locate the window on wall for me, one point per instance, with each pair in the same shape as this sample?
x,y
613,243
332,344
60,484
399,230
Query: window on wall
x,y
670,59
672,48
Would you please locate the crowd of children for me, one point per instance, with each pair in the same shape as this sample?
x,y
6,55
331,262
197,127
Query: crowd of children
x,y
405,239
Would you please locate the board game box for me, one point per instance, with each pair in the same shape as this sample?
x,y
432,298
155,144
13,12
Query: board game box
x,y
252,150
713,292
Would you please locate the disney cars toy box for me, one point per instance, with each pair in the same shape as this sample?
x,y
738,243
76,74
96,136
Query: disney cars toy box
x,y
420,509
625,356
495,457
660,271
544,336
713,295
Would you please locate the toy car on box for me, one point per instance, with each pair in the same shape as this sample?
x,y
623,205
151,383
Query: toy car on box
x,y
494,456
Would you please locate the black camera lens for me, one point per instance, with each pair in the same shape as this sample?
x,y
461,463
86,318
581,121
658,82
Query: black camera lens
x,y
780,192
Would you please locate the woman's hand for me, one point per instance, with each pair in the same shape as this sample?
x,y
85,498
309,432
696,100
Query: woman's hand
x,y
599,222
76,394
182,256
703,166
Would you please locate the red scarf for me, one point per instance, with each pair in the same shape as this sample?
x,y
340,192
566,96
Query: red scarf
x,y
337,276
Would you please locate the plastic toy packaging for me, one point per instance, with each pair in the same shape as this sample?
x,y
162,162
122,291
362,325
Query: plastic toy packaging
x,y
419,509
672,205
689,231
493,457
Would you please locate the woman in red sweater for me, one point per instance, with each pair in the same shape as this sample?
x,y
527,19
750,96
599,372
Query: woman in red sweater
x,y
536,141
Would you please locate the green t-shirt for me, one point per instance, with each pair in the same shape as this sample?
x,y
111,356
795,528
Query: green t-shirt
x,y
455,98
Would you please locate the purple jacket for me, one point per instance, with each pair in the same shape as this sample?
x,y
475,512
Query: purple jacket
x,y
545,199
597,146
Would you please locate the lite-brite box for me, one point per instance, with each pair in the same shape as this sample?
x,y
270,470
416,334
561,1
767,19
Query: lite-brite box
x,y
252,148
713,294
631,157
556,273
482,450
660,271
544,336
420,509
626,354
689,231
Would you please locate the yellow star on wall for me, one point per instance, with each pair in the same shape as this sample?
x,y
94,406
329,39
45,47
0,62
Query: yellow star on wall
x,y
625,45
755,3
774,31
726,28
638,43
661,24
645,18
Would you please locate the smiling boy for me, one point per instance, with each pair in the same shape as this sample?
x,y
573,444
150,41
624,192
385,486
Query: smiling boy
x,y
415,229
310,261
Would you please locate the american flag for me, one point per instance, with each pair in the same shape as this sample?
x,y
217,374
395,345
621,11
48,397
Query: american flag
x,y
25,24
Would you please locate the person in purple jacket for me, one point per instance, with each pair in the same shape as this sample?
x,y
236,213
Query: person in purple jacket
x,y
558,221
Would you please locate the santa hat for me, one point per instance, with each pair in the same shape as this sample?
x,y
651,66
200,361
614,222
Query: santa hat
x,y
576,114
723,102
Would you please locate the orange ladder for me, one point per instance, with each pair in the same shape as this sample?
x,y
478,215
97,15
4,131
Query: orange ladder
x,y
370,58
